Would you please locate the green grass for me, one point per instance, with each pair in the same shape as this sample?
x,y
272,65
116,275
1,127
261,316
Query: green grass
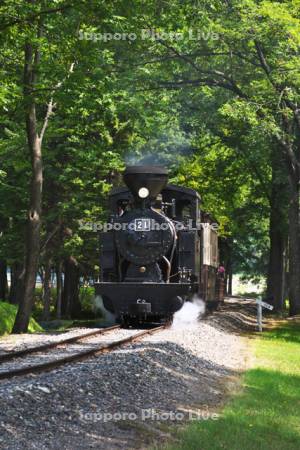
x,y
265,413
7,317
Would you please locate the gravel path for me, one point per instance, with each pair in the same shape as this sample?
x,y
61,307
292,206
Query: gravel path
x,y
128,398
67,349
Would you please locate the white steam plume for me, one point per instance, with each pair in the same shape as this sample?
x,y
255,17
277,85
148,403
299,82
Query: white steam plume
x,y
99,306
190,314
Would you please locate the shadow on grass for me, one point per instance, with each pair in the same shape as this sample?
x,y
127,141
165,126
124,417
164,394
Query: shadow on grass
x,y
266,415
288,333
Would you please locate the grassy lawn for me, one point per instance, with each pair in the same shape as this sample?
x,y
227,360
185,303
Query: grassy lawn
x,y
265,414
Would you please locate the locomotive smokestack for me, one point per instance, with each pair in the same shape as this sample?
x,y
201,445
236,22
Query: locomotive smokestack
x,y
145,181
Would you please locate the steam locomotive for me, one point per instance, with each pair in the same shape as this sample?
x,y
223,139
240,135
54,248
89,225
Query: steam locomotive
x,y
159,250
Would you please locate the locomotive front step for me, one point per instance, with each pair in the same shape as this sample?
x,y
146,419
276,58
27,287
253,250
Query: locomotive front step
x,y
146,298
139,308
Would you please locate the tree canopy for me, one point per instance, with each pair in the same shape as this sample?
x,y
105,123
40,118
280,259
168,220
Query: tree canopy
x,y
209,89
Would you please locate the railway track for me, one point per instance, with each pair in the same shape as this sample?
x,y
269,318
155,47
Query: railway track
x,y
44,347
18,363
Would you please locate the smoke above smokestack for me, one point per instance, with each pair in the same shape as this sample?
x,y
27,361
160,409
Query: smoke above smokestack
x,y
165,150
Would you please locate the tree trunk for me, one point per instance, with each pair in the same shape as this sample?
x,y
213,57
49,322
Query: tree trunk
x,y
228,267
3,280
229,289
47,289
35,201
71,303
16,283
294,249
286,283
59,286
32,241
276,266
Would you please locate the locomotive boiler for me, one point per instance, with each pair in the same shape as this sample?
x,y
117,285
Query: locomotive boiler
x,y
159,250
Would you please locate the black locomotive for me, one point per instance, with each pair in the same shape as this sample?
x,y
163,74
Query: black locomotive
x,y
159,250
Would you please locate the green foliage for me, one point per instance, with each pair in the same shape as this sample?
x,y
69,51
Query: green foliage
x,y
86,298
87,301
38,308
204,107
7,318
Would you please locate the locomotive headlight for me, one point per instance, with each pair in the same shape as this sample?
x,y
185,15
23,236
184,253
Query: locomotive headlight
x,y
143,192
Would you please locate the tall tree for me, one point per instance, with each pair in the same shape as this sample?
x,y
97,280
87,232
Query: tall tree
x,y
254,58
34,139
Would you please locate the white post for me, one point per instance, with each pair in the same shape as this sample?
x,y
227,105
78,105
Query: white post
x,y
259,315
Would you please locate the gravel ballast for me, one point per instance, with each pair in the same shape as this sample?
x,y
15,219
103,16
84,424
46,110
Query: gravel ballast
x,y
128,398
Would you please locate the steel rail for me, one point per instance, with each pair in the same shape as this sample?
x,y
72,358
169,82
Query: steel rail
x,y
43,367
40,348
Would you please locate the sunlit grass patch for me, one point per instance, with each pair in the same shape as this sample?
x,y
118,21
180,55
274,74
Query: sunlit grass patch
x,y
265,414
